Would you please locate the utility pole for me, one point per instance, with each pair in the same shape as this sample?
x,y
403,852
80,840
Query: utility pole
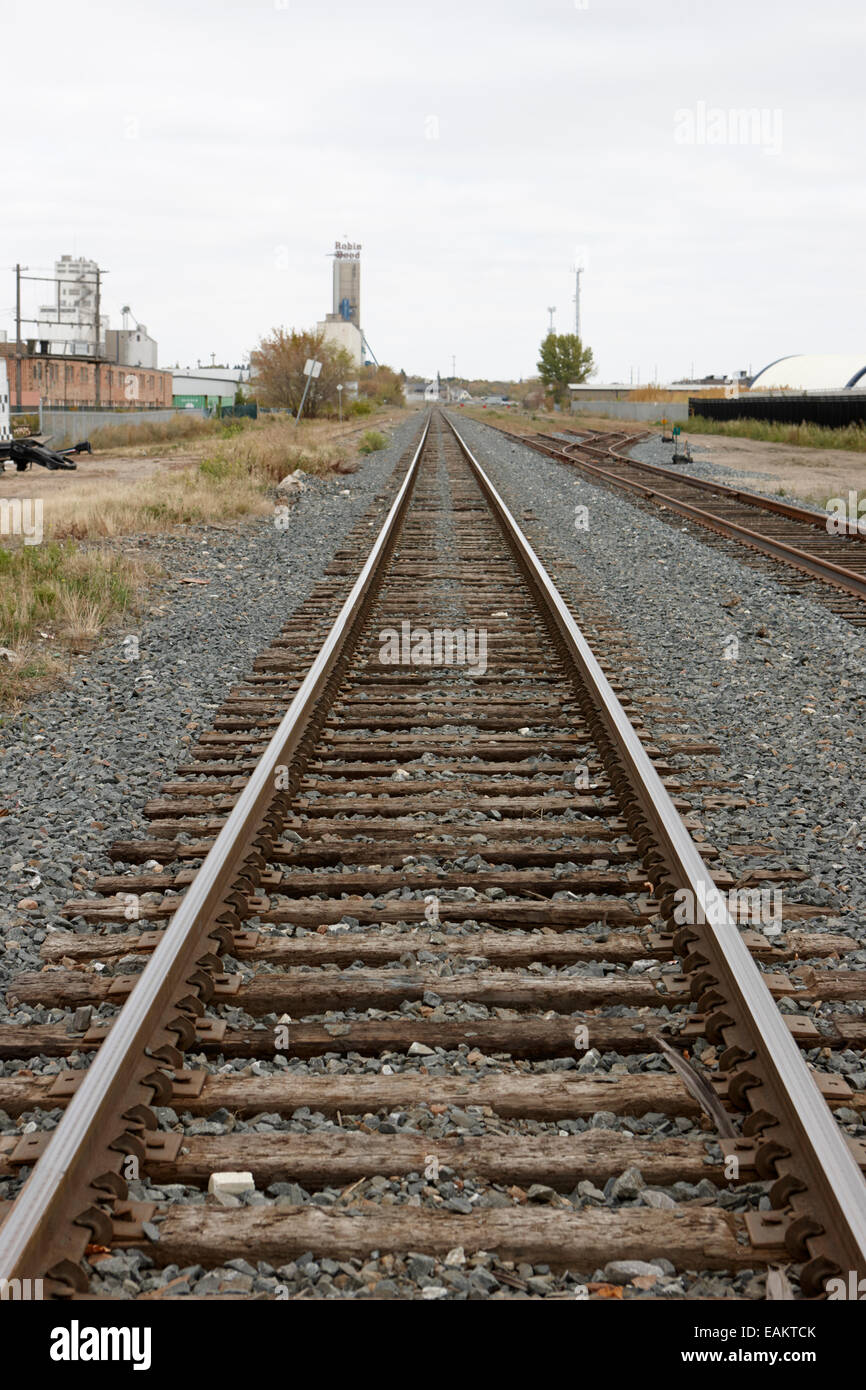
x,y
551,309
18,336
97,365
578,271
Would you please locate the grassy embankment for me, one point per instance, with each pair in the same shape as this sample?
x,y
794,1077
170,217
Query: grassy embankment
x,y
804,435
59,595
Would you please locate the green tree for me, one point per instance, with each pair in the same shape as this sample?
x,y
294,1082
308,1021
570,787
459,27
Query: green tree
x,y
278,365
564,360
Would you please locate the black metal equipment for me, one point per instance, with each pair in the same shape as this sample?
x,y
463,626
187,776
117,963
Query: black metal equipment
x,y
25,452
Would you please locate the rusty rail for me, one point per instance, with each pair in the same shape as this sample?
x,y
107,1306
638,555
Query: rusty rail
x,y
59,1208
817,568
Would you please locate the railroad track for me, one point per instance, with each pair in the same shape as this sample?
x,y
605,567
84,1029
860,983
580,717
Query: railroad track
x,y
780,531
413,905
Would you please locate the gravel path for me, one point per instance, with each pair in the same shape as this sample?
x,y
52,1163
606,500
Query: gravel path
x,y
80,762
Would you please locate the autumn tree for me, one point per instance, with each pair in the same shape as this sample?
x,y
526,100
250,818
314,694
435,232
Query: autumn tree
x,y
382,385
564,360
278,366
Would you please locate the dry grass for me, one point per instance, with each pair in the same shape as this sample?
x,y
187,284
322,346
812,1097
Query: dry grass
x,y
661,393
804,435
159,436
554,422
147,432
233,480
194,496
56,599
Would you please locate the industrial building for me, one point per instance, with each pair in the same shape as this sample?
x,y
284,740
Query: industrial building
x,y
342,327
68,356
347,281
80,381
130,347
5,427
73,325
206,387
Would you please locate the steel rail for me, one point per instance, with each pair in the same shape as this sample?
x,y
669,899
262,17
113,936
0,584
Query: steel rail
x,y
39,1232
813,565
759,500
835,1200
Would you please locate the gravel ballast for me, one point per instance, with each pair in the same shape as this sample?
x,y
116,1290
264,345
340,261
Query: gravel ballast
x,y
788,711
80,762
621,558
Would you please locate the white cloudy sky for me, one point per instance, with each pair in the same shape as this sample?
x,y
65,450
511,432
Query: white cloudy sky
x,y
208,153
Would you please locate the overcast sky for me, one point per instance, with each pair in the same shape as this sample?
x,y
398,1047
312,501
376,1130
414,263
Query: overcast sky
x,y
209,152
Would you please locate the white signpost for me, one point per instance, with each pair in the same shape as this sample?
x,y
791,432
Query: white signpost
x,y
311,371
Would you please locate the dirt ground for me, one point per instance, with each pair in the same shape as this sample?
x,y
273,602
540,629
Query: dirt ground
x,y
96,468
134,463
814,474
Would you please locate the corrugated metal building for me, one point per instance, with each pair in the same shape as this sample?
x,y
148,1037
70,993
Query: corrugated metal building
x,y
206,387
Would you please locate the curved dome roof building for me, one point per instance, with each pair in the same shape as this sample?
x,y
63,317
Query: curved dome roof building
x,y
827,371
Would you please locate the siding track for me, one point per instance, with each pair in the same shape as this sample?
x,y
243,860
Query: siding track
x,y
791,536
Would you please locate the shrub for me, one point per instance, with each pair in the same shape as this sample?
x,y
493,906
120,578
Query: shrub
x,y
372,441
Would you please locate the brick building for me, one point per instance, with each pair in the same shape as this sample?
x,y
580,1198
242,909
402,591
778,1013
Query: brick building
x,y
68,380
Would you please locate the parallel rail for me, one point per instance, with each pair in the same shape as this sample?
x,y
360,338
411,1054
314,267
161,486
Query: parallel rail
x,y
655,483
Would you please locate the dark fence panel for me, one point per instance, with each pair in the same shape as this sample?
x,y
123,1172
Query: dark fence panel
x,y
250,410
832,411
